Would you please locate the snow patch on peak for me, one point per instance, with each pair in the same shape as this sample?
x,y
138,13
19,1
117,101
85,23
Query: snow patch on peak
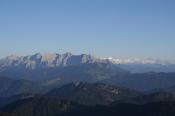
x,y
49,57
129,61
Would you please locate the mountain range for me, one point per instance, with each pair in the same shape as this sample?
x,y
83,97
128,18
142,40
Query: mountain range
x,y
52,60
55,70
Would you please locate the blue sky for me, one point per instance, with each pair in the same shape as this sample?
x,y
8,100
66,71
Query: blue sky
x,y
117,28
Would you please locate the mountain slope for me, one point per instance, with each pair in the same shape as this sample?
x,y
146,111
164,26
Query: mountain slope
x,y
39,106
151,109
8,100
144,81
54,107
149,98
84,73
92,94
10,87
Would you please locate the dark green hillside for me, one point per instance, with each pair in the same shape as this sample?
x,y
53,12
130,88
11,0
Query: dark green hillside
x,y
92,94
10,87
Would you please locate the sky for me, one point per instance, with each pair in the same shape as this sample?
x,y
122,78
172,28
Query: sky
x,y
115,28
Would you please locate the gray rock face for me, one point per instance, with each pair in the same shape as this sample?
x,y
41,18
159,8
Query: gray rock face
x,y
39,60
